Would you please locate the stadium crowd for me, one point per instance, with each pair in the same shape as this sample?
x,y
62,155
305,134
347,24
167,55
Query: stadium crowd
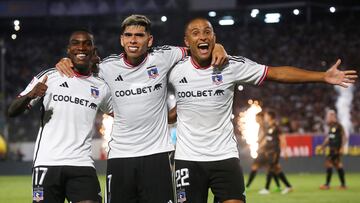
x,y
301,107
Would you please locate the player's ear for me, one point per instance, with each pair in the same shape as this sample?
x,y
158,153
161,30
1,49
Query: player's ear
x,y
121,40
186,42
151,39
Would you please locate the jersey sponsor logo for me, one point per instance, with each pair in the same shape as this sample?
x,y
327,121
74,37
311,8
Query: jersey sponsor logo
x,y
152,72
183,80
94,92
119,78
74,100
201,93
217,78
139,90
64,84
219,92
93,106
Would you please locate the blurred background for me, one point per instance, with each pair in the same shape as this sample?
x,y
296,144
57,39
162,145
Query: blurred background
x,y
307,34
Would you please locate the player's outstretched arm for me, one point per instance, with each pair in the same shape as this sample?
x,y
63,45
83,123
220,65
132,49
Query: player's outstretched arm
x,y
20,104
64,66
333,75
172,116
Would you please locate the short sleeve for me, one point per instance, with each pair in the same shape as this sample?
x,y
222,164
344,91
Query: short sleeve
x,y
29,87
247,71
172,54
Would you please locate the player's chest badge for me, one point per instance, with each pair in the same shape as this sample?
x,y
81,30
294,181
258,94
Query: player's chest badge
x,y
94,92
217,77
152,72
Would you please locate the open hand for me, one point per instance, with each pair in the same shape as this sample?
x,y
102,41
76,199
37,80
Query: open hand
x,y
337,77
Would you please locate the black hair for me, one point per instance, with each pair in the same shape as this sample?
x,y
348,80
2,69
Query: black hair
x,y
137,20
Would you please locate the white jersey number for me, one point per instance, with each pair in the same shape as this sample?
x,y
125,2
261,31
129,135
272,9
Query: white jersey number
x,y
39,175
181,176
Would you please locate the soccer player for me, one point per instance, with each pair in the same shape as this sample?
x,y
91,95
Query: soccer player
x,y
336,140
274,142
206,154
62,166
138,168
261,159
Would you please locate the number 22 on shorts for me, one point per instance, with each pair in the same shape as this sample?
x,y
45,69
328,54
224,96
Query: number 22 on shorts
x,y
181,177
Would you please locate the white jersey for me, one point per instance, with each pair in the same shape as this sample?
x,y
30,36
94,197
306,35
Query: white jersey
x,y
140,125
204,107
69,108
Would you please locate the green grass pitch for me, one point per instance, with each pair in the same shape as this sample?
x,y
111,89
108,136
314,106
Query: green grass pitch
x,y
16,189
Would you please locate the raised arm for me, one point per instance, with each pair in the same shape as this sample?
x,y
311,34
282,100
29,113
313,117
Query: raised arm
x,y
333,75
20,104
172,116
219,56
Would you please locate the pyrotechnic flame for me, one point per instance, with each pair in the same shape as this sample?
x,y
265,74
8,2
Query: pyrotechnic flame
x,y
249,127
105,130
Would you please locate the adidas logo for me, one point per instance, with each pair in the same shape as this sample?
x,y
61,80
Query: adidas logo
x,y
183,80
64,85
119,78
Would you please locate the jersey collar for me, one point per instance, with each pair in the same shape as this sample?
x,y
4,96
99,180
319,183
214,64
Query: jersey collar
x,y
128,63
80,75
197,66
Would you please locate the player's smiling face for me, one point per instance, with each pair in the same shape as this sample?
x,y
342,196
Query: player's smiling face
x,y
200,38
80,50
136,41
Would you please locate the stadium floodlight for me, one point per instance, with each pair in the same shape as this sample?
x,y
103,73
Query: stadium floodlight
x,y
272,18
332,9
254,12
16,22
212,13
240,88
16,27
226,20
296,12
13,36
163,18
